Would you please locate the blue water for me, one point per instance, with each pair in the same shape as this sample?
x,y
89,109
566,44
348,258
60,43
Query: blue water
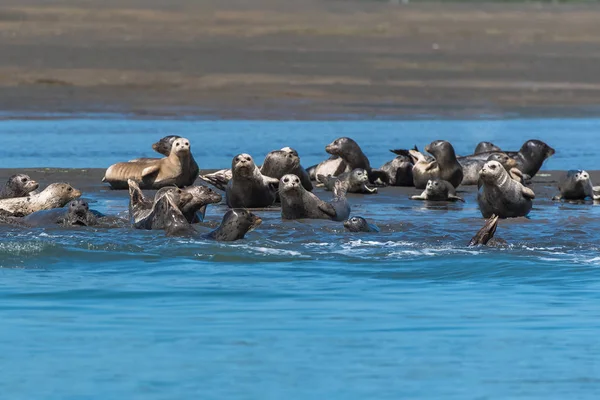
x,y
302,310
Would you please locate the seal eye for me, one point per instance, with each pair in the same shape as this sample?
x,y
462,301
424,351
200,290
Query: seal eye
x,y
248,159
187,143
492,166
297,180
286,180
24,180
70,189
176,144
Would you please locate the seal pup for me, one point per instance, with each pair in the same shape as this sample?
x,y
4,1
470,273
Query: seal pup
x,y
248,188
501,195
359,224
486,233
235,225
357,181
19,185
444,165
576,185
399,171
486,147
297,202
352,155
152,214
77,213
56,195
438,190
155,174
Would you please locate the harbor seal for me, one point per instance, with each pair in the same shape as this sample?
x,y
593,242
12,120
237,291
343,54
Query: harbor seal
x,y
353,157
163,146
235,225
444,165
155,174
248,188
56,195
486,147
357,181
399,171
285,161
576,185
501,195
438,190
77,213
472,167
359,224
333,166
19,185
153,214
297,202
195,209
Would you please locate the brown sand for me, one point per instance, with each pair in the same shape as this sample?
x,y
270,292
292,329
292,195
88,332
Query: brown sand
x,y
298,59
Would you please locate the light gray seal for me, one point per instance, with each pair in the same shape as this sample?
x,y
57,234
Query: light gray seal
x,y
297,202
357,180
56,195
359,224
438,190
19,185
444,165
248,188
399,171
501,195
576,185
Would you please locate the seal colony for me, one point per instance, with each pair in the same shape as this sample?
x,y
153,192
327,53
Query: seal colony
x,y
178,206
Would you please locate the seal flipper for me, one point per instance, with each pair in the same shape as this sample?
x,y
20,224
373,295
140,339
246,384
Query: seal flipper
x,y
150,170
528,193
483,236
328,181
453,197
377,174
218,179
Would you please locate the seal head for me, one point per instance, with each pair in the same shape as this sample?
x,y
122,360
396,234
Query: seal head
x,y
19,185
359,224
235,225
501,195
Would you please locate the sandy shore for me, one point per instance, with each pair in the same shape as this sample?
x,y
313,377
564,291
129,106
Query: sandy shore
x,y
313,59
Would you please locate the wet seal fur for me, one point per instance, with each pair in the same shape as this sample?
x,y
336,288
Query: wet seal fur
x,y
501,195
56,195
576,185
19,185
438,190
359,224
297,202
77,213
155,174
357,181
147,214
235,225
248,188
445,165
485,236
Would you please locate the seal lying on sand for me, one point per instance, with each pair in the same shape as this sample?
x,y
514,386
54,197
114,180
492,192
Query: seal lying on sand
x,y
357,181
485,147
399,171
276,164
444,166
146,214
298,203
501,195
155,174
472,167
438,190
359,224
56,195
248,188
576,185
19,185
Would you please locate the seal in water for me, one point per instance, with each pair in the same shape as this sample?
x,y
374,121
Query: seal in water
x,y
248,188
297,202
501,195
146,214
202,196
438,190
359,224
77,213
399,171
353,157
486,147
235,225
56,195
576,185
444,166
486,233
19,185
357,181
155,174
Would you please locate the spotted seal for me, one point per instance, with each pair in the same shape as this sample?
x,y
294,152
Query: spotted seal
x,y
202,196
297,202
19,185
155,174
438,190
152,214
56,195
359,224
248,188
353,157
501,195
358,181
576,185
76,213
472,167
444,165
